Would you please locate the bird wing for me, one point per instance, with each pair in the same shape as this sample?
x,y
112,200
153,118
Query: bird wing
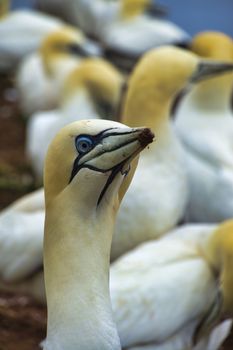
x,y
154,294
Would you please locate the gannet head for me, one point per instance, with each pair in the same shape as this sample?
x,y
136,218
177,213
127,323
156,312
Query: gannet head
x,y
4,8
216,93
65,43
220,255
100,80
213,45
88,160
160,75
133,8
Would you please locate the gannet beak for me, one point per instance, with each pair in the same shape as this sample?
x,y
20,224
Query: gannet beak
x,y
207,69
87,49
113,151
156,9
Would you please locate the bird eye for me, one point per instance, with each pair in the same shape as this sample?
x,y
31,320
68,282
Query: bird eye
x,y
84,144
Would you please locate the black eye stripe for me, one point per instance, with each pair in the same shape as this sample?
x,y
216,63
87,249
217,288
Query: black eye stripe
x,y
96,140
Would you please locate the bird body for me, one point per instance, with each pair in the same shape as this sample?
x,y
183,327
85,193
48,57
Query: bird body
x,y
156,201
21,237
207,113
162,291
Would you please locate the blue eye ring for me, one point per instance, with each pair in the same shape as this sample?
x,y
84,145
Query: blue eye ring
x,y
84,144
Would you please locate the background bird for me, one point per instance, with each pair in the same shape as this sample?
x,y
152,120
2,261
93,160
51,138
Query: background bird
x,y
205,125
41,75
125,27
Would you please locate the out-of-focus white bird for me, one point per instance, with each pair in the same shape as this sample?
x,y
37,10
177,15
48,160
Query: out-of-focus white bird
x,y
21,33
204,122
124,27
21,236
41,75
169,294
92,90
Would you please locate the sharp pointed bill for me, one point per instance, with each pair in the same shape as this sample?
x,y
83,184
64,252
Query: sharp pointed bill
x,y
109,151
208,69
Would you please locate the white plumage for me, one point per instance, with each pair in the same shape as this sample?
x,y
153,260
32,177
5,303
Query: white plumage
x,y
27,28
130,34
162,290
204,122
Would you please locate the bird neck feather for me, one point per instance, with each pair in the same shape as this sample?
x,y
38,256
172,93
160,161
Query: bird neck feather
x,y
76,257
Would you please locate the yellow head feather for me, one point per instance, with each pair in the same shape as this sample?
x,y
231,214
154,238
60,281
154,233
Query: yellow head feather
x,y
154,83
214,45
4,7
133,8
220,255
217,46
102,81
56,45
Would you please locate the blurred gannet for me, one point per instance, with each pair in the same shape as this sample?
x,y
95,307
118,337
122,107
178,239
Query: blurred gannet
x,y
21,33
85,166
21,237
204,122
124,27
93,89
170,294
157,198
41,75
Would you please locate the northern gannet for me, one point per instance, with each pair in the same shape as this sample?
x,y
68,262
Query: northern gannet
x,y
157,198
125,27
85,167
41,75
204,122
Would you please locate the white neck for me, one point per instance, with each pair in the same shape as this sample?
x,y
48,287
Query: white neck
x,y
61,67
79,101
76,257
213,95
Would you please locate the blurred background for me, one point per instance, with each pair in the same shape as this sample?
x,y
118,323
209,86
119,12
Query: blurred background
x,y
193,15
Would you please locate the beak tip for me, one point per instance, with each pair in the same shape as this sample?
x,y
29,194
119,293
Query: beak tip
x,y
146,137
